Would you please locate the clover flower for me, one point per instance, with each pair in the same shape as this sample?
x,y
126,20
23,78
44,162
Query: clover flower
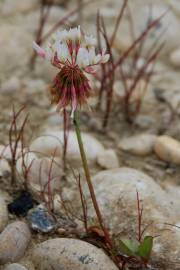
x,y
73,53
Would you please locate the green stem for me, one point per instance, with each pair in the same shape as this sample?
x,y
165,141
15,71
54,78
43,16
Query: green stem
x,y
88,179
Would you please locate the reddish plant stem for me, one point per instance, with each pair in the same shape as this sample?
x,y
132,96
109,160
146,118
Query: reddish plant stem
x,y
84,205
139,39
140,211
44,13
63,20
65,131
89,182
118,21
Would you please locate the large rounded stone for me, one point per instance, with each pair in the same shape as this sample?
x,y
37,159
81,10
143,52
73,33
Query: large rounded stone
x,y
117,198
70,254
14,241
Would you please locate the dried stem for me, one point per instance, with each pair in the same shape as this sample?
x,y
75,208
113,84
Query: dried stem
x,y
118,21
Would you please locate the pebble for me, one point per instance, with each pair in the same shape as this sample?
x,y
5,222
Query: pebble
x,y
175,58
168,149
4,167
33,86
27,160
21,205
52,143
10,8
3,214
70,254
108,159
10,86
42,171
14,241
40,220
141,144
15,266
5,152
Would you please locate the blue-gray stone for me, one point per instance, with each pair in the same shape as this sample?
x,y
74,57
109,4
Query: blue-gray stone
x,y
40,220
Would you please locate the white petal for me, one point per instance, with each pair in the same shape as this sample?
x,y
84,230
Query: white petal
x,y
41,52
82,58
92,55
90,41
97,59
105,58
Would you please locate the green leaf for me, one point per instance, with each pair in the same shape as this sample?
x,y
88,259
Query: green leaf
x,y
128,246
145,248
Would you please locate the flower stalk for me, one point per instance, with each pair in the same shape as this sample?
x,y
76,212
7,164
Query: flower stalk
x,y
88,179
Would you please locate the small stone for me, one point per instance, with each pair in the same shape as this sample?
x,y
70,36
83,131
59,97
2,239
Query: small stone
x,y
41,172
141,145
21,205
70,254
40,220
14,241
52,143
175,58
15,266
5,152
34,86
10,86
4,167
108,159
3,214
17,6
25,161
168,149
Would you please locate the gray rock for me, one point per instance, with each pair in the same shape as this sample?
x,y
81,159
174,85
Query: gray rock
x,y
14,241
168,149
70,254
16,6
141,144
116,194
3,214
40,220
15,266
53,140
11,85
108,159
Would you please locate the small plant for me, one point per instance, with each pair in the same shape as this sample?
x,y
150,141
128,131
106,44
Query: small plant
x,y
114,68
137,250
16,141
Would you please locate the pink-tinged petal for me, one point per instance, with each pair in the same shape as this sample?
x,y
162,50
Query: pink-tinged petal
x,y
41,52
91,69
105,58
74,100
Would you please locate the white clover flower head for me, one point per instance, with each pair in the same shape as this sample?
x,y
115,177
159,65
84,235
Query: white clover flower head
x,y
73,53
72,47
